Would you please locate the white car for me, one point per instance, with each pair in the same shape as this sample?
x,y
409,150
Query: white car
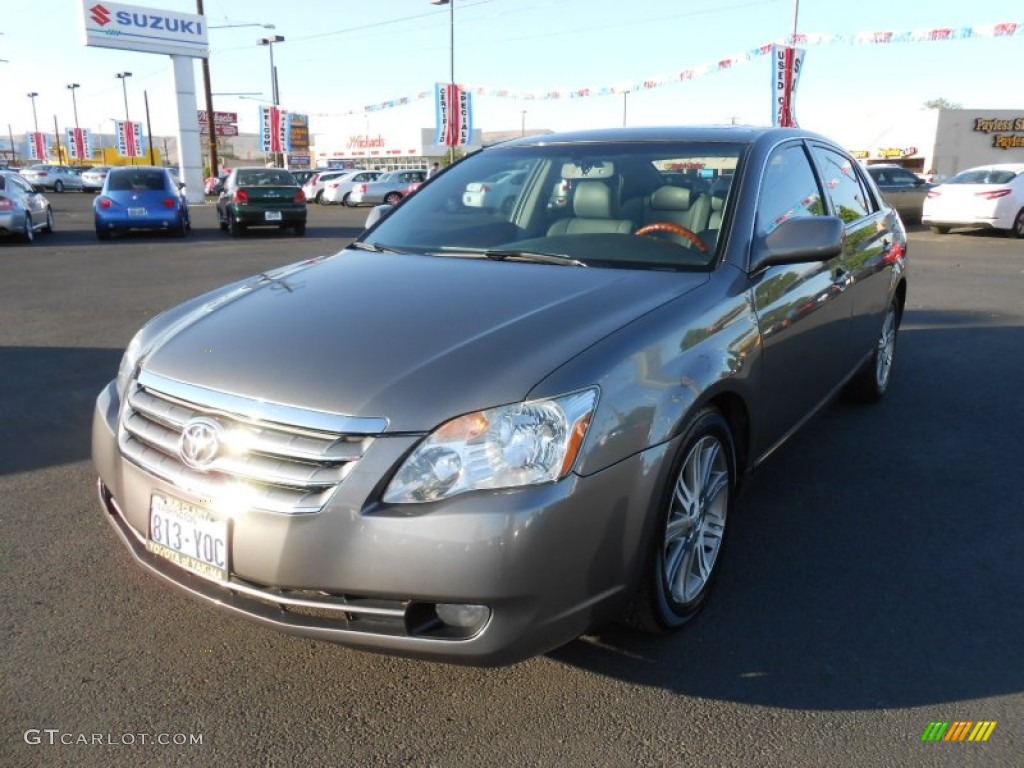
x,y
989,196
497,192
337,188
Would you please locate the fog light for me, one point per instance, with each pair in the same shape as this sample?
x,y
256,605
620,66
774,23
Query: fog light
x,y
465,616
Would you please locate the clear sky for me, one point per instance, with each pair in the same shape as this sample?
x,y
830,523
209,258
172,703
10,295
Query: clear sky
x,y
341,55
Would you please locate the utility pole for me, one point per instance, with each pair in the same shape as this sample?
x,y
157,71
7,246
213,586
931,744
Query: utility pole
x,y
210,124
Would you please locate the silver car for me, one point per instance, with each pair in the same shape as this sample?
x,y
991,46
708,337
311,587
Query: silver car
x,y
389,188
471,436
337,189
23,210
904,190
55,177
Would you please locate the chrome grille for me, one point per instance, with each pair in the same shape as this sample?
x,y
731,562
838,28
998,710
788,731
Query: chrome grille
x,y
272,457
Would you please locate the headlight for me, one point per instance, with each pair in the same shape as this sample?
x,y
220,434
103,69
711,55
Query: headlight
x,y
505,447
128,362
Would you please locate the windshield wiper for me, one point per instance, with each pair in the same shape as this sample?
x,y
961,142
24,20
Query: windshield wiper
x,y
542,257
361,246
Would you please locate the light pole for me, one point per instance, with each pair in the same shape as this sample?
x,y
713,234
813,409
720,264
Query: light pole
x,y
35,120
523,132
74,103
269,42
123,77
451,62
275,94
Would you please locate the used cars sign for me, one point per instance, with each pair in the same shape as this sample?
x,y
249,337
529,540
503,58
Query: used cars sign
x,y
149,30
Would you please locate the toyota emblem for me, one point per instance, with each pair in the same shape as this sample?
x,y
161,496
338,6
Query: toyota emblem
x,y
199,443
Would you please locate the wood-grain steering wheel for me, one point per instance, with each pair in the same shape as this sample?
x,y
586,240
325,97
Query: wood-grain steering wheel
x,y
674,229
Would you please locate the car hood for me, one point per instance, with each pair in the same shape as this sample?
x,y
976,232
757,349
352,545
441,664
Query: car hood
x,y
410,338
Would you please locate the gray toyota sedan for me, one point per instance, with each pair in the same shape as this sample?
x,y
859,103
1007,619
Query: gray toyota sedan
x,y
476,433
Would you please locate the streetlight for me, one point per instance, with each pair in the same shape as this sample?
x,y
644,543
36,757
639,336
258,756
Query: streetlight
x,y
269,42
524,123
451,54
123,77
35,120
74,104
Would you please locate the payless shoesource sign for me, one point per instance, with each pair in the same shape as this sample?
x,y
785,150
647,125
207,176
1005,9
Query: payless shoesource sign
x,y
1006,133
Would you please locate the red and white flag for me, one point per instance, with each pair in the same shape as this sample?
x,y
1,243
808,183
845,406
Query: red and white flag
x,y
129,138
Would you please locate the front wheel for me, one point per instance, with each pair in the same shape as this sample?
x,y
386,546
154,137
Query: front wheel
x,y
28,232
392,198
49,221
345,202
58,186
683,560
941,230
871,382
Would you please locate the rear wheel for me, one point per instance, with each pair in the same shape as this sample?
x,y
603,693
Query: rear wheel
x,y
324,200
235,227
345,202
871,383
300,229
392,198
941,230
682,562
103,234
58,186
1017,230
28,232
319,197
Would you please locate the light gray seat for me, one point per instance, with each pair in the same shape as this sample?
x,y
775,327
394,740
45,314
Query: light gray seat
x,y
679,205
594,206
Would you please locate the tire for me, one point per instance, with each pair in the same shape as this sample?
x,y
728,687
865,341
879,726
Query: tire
x,y
300,230
49,220
323,200
28,231
58,186
392,198
682,563
234,226
941,230
871,382
345,202
182,229
319,196
104,234
1017,230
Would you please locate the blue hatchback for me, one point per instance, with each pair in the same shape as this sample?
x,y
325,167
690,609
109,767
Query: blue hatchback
x,y
140,197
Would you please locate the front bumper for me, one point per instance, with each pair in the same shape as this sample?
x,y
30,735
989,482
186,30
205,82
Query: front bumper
x,y
549,561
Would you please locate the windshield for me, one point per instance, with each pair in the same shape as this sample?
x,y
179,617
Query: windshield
x,y
637,204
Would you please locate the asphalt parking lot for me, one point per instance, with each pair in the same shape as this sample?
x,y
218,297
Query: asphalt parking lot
x,y
875,581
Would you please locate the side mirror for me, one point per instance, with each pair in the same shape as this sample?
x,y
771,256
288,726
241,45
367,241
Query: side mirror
x,y
377,213
798,241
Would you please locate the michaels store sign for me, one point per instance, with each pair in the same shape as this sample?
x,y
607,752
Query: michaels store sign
x,y
149,30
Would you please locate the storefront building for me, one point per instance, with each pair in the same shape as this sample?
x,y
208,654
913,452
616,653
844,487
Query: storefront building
x,y
942,142
382,151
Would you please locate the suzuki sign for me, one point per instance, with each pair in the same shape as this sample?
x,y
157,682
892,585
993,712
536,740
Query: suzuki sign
x,y
149,30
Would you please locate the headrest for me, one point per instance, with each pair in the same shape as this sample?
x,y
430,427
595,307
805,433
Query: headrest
x,y
592,200
670,198
718,201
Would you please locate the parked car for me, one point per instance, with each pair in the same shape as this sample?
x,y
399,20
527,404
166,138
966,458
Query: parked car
x,y
989,196
338,189
472,438
387,188
23,210
496,193
140,197
261,197
313,188
93,178
55,177
304,175
903,189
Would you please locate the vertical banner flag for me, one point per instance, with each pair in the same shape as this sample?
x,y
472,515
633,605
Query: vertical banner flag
x,y
79,143
454,106
129,138
274,133
786,65
37,146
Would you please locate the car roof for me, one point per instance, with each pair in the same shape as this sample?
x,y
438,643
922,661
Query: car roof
x,y
1017,167
736,133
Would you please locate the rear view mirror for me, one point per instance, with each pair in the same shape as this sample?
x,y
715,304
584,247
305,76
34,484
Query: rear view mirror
x,y
797,241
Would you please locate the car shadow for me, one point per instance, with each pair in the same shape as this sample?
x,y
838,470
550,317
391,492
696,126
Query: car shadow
x,y
46,402
874,561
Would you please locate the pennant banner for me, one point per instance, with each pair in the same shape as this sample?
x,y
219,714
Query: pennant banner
x,y
454,108
786,65
940,34
129,138
37,147
79,143
274,133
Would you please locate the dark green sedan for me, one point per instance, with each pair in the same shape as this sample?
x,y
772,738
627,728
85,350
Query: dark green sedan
x,y
261,197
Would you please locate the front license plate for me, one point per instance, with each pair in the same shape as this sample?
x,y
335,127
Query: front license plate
x,y
136,211
273,215
188,536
